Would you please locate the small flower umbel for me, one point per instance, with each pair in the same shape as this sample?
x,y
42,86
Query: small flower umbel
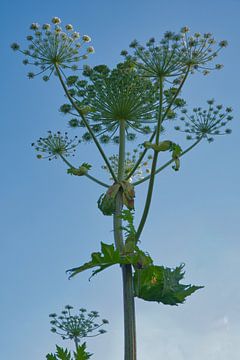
x,y
76,327
130,160
51,46
55,145
112,96
206,123
175,54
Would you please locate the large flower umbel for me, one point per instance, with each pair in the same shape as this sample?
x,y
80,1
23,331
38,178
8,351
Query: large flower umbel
x,y
175,54
50,46
55,145
112,96
206,123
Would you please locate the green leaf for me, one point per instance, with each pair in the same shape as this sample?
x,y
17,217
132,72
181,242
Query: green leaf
x,y
109,256
81,353
160,284
63,354
51,357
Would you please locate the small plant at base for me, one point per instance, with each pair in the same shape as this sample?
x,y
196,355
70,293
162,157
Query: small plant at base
x,y
75,327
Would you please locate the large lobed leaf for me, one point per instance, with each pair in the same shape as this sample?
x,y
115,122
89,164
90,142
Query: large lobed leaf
x,y
160,284
110,256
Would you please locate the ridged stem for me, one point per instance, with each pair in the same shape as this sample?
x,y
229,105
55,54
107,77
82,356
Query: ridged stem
x,y
127,276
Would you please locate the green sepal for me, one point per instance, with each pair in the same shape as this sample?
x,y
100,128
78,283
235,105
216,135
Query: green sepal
x,y
160,284
81,171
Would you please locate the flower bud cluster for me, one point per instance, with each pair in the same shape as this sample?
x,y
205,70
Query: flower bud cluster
x,y
130,160
76,327
52,46
206,123
55,145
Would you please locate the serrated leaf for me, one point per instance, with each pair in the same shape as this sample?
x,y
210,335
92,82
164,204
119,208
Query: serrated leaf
x,y
160,284
109,256
51,357
81,353
63,354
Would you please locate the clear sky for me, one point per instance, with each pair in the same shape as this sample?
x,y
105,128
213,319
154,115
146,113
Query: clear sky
x,y
50,222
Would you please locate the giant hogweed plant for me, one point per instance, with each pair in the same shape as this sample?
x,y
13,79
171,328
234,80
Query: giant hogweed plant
x,y
141,95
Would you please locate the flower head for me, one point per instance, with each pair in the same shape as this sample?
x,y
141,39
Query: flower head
x,y
55,145
175,54
78,326
206,123
112,96
50,47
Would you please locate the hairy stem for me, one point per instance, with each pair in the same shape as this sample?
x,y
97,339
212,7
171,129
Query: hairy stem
x,y
85,123
128,291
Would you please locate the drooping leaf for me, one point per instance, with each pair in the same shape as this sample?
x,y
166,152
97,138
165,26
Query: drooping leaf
x,y
160,284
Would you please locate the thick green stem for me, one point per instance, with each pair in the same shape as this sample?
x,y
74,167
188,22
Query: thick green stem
x,y
163,117
85,123
127,277
149,196
154,164
76,343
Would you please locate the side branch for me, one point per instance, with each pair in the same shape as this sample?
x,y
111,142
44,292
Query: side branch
x,y
167,163
85,123
154,133
154,165
87,175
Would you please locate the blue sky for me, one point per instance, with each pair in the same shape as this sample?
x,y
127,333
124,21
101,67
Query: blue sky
x,y
50,221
